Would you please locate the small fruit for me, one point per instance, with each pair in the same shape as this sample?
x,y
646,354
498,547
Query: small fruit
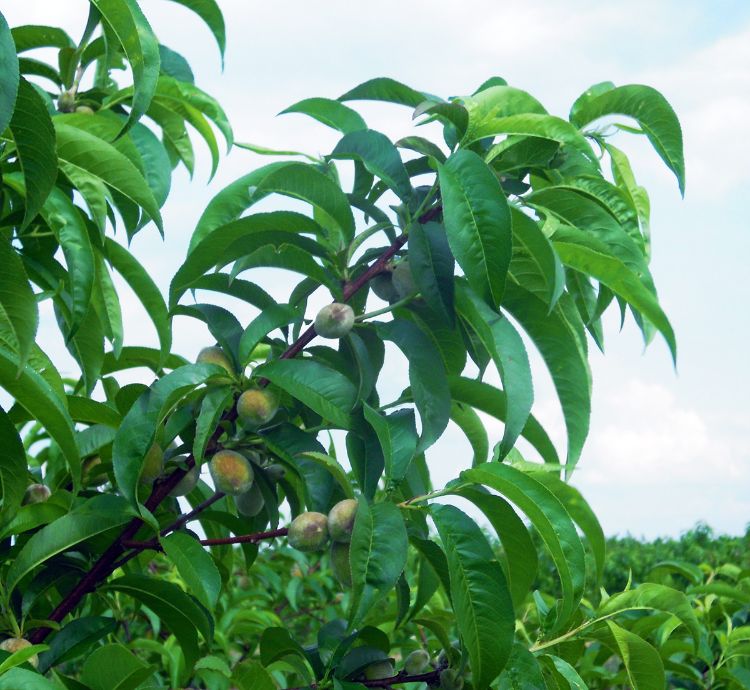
x,y
382,286
450,679
251,502
275,472
66,102
231,472
153,464
215,355
416,662
256,407
342,568
36,493
341,520
92,476
334,320
403,280
308,532
84,110
379,670
187,483
15,644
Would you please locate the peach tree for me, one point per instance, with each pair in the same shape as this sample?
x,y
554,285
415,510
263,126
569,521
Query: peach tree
x,y
144,495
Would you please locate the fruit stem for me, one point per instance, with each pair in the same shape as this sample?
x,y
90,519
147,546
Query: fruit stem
x,y
385,310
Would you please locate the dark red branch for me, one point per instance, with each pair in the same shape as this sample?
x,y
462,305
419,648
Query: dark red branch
x,y
154,545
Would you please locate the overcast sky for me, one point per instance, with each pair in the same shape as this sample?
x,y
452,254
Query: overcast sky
x,y
667,448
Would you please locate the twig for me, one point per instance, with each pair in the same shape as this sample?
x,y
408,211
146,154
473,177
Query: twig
x,y
431,678
154,545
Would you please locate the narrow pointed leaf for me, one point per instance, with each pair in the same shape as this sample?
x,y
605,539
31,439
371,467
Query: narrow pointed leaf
x,y
9,70
332,113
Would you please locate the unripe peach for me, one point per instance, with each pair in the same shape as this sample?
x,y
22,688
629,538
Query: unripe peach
x,y
341,520
84,110
403,280
416,662
91,475
153,464
187,483
450,679
251,502
379,670
382,286
308,532
340,565
256,407
334,320
15,644
36,493
275,472
231,472
215,355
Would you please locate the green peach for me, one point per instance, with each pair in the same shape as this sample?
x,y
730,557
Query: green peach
x,y
231,472
256,407
450,679
187,483
36,493
416,662
251,502
334,320
341,520
403,279
382,286
308,532
15,644
215,355
379,670
275,472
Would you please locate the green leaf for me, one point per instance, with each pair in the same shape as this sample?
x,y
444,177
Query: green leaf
x,y
378,154
9,70
75,639
398,438
98,515
550,519
560,340
94,155
582,515
17,301
90,411
477,220
522,671
519,551
210,12
183,616
645,105
137,431
141,47
195,566
535,262
642,662
30,36
329,112
429,384
13,468
491,400
581,252
250,675
21,656
115,667
28,680
480,595
236,239
34,136
275,316
432,266
324,390
33,393
307,183
384,89
651,596
508,353
156,164
145,289
332,466
377,556
466,418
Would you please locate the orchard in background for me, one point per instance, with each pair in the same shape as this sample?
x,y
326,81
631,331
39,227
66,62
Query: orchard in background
x,y
516,222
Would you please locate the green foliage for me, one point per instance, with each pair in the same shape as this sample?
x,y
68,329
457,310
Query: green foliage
x,y
113,582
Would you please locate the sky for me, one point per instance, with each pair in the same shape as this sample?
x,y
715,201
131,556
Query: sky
x,y
667,447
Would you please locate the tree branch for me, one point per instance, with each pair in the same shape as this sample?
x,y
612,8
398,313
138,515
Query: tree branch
x,y
240,539
430,677
111,558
